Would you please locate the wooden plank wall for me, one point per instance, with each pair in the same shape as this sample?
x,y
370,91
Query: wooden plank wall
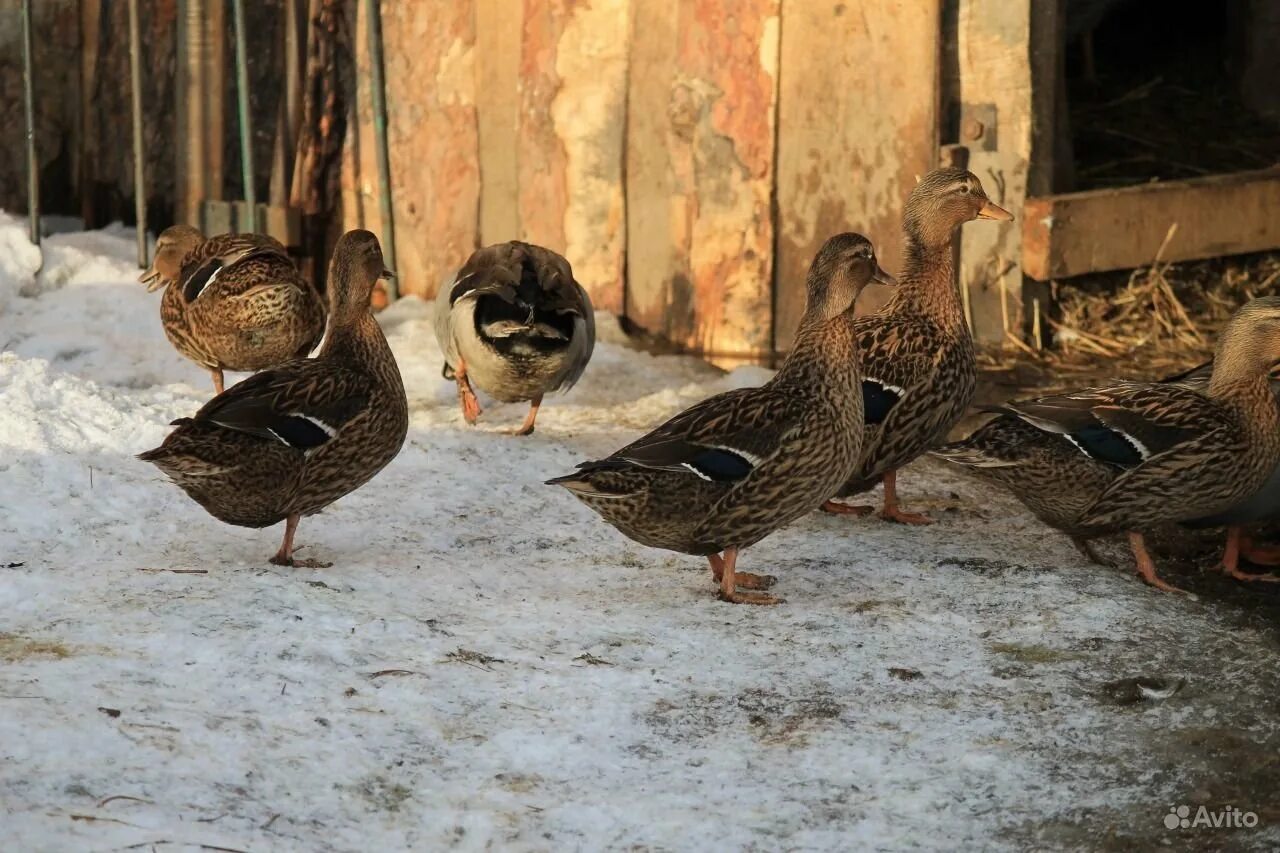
x,y
858,120
700,173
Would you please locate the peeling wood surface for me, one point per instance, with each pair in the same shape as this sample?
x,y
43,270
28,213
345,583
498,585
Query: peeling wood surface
x,y
429,52
499,28
573,72
858,120
699,176
1100,230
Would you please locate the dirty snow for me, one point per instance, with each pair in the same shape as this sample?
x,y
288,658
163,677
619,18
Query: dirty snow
x,y
489,665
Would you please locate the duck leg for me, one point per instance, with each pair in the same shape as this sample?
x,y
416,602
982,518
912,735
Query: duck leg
x,y
216,373
891,510
1260,555
284,557
836,508
466,397
526,428
744,580
1146,568
1230,565
730,580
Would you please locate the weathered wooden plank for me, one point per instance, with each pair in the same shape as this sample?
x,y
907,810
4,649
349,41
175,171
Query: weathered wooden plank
x,y
573,71
1006,64
499,24
857,121
700,146
429,53
1076,233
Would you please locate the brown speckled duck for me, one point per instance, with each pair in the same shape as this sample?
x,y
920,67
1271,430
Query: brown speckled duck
x,y
292,440
918,371
721,476
1132,456
514,322
233,302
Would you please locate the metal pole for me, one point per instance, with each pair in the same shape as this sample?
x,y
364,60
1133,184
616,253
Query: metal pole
x,y
246,127
139,175
374,22
28,93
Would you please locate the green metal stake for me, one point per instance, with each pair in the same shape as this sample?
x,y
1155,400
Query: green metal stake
x,y
139,174
378,85
28,94
246,125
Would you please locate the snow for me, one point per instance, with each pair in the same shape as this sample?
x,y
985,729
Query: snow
x,y
487,664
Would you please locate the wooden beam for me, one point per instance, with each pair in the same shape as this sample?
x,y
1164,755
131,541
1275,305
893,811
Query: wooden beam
x,y
1077,233
857,121
699,174
499,24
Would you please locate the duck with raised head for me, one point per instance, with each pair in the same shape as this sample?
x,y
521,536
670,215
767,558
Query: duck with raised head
x,y
1133,456
288,442
515,322
234,301
919,374
724,474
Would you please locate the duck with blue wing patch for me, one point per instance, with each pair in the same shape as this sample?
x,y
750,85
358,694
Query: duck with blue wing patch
x,y
234,301
724,474
919,373
290,441
1133,456
514,322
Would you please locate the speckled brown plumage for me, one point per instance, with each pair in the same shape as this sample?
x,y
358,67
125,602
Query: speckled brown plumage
x,y
721,476
234,301
288,442
917,354
1133,456
514,322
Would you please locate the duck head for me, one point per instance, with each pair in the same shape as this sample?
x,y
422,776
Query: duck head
x,y
173,244
944,200
356,267
1249,345
844,265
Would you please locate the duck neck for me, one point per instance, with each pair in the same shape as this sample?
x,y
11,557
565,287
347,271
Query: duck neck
x,y
824,356
1251,396
927,282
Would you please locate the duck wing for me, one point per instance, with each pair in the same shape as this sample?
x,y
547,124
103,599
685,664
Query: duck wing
x,y
227,259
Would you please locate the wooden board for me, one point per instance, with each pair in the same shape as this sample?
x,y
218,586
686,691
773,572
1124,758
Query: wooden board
x,y
435,177
699,173
499,24
1006,52
857,121
1076,233
573,70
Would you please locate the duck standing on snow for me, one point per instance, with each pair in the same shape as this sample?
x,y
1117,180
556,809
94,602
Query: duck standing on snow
x,y
918,368
290,441
723,475
233,302
514,322
1132,456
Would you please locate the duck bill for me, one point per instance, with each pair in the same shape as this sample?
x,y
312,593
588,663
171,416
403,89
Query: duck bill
x,y
152,280
882,277
991,210
386,273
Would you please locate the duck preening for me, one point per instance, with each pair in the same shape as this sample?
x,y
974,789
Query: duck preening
x,y
918,367
234,301
514,322
290,441
724,474
1132,456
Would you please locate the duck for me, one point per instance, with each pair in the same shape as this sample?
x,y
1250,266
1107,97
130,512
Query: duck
x,y
515,323
289,441
1261,506
919,372
722,475
1132,456
233,301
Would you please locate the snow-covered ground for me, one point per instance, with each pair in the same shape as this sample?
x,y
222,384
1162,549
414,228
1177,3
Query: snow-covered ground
x,y
488,665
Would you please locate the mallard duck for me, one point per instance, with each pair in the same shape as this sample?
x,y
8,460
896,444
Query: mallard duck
x,y
514,322
1132,456
1262,505
721,476
918,371
233,302
289,441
